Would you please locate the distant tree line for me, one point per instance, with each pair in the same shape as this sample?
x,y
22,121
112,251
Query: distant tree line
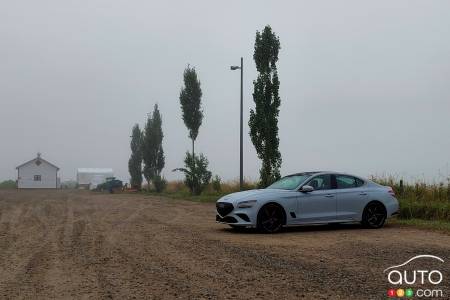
x,y
8,184
147,155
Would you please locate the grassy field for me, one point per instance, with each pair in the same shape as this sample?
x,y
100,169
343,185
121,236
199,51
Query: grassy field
x,y
421,204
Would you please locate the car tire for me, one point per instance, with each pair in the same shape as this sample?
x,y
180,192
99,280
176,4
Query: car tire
x,y
374,215
270,218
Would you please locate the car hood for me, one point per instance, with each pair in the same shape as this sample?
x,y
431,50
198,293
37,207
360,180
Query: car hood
x,y
251,195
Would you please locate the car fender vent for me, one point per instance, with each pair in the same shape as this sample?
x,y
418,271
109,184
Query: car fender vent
x,y
244,217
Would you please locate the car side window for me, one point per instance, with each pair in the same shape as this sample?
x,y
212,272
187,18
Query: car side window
x,y
359,182
321,182
346,182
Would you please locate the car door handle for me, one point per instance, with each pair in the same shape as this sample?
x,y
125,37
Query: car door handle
x,y
329,195
363,194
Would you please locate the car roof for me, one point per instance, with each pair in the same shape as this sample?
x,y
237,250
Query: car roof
x,y
320,172
306,173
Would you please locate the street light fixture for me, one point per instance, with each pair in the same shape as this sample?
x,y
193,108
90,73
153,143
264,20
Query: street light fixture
x,y
241,173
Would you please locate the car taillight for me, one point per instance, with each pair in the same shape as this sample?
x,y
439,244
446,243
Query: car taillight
x,y
391,191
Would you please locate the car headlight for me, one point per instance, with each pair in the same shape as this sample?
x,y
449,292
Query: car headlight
x,y
246,204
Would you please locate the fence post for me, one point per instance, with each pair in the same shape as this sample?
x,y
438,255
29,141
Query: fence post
x,y
401,187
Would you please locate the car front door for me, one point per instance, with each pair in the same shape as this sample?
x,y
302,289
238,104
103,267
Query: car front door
x,y
318,205
352,196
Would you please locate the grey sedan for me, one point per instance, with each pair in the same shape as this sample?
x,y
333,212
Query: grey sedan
x,y
309,198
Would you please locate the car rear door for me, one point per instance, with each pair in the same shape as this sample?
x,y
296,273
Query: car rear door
x,y
318,205
352,196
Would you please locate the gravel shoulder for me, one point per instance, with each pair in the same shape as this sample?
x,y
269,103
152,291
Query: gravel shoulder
x,y
78,244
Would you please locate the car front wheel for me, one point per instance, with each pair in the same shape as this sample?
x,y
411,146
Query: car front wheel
x,y
270,218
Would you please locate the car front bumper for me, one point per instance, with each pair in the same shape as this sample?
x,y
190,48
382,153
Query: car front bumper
x,y
227,213
236,219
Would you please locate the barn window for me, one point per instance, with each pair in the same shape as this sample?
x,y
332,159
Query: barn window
x,y
37,177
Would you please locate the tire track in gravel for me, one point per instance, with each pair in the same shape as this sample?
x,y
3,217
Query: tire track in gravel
x,y
183,247
27,276
71,244
78,244
208,260
316,273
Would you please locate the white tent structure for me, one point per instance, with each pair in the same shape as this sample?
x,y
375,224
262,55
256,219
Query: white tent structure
x,y
89,178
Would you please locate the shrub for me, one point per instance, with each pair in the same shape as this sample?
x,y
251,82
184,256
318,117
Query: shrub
x,y
217,184
196,173
159,183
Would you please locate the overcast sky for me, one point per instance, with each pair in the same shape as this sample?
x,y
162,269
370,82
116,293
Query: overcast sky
x,y
364,84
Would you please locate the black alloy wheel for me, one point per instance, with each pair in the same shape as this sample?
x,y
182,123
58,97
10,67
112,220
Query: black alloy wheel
x,y
374,215
270,218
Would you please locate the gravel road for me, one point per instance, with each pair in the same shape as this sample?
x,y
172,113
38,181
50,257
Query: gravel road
x,y
79,244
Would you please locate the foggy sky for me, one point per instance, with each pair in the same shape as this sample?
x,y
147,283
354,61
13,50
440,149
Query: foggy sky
x,y
364,84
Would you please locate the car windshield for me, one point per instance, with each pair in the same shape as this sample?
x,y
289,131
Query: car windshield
x,y
289,182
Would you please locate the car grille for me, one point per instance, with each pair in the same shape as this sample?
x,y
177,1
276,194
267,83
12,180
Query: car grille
x,y
224,208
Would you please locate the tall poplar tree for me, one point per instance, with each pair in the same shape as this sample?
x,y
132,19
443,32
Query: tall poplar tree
x,y
196,173
152,150
135,161
263,121
191,103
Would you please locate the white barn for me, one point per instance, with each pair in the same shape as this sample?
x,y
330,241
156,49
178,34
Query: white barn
x,y
89,178
37,174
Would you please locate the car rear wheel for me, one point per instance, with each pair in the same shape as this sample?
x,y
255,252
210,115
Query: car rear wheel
x,y
374,215
270,218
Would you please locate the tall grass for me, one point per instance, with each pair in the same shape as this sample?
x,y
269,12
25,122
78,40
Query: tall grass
x,y
420,200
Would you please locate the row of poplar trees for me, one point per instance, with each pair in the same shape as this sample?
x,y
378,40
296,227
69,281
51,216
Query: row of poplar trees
x,y
147,154
147,149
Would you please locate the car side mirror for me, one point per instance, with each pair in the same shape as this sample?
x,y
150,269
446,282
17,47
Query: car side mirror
x,y
306,189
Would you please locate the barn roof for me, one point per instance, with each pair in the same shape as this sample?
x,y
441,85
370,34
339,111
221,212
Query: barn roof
x,y
36,158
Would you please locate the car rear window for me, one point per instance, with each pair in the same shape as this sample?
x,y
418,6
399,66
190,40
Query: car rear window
x,y
345,182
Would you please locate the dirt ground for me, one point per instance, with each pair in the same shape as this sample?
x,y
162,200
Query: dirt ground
x,y
83,245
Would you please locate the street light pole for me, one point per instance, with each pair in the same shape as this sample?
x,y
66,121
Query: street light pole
x,y
241,174
241,152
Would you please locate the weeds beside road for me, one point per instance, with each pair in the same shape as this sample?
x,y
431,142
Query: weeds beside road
x,y
421,204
